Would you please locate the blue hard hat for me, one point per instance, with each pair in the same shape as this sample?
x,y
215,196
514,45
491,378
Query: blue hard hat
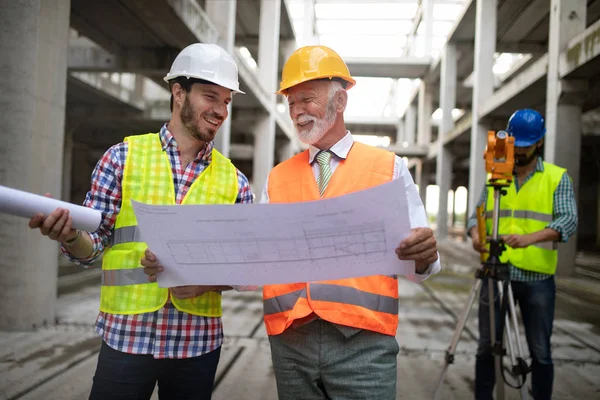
x,y
527,127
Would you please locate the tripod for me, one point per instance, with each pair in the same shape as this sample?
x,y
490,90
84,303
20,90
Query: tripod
x,y
499,161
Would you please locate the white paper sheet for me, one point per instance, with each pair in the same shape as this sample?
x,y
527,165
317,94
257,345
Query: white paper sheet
x,y
256,244
25,204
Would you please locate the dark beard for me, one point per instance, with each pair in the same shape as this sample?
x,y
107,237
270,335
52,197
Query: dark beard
x,y
189,120
521,161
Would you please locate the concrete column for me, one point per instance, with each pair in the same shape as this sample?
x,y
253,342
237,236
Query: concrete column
x,y
563,107
33,45
421,179
425,111
286,151
67,171
410,121
428,21
308,36
598,217
222,15
268,57
483,88
443,173
400,131
453,221
287,47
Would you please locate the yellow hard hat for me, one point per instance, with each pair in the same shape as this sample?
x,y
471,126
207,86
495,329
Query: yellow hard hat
x,y
313,62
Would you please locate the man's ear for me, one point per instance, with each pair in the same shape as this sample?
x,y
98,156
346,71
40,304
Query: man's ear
x,y
540,143
178,95
341,101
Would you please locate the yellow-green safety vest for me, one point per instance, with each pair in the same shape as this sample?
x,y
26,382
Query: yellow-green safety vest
x,y
526,211
147,178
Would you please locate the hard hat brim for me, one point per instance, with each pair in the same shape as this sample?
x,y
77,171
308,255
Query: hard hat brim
x,y
349,81
168,78
525,143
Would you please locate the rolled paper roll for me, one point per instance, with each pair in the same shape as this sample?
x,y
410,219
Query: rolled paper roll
x,y
25,204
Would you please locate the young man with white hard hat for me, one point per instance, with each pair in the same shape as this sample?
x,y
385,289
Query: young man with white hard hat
x,y
152,334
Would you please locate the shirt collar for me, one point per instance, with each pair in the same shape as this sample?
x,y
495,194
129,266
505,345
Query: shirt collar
x,y
340,149
539,166
167,140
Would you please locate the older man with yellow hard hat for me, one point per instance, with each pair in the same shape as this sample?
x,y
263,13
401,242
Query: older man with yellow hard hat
x,y
336,339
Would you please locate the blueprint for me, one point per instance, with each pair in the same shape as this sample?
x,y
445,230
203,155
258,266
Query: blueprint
x,y
256,244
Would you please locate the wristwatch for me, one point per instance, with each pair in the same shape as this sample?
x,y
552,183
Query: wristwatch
x,y
71,242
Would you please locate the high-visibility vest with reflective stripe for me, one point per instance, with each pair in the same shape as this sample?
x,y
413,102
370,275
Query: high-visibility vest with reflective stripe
x,y
368,302
147,178
526,211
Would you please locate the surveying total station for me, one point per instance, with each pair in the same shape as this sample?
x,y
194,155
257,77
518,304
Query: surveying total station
x,y
499,164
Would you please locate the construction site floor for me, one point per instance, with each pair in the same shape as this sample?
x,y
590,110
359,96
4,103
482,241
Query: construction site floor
x,y
58,362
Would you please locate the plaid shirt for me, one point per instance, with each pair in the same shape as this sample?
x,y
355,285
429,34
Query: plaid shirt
x,y
564,218
168,332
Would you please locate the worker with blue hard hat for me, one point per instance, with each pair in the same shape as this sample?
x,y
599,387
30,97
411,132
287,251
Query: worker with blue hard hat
x,y
527,127
537,212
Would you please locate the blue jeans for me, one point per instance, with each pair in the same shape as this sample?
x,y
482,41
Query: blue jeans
x,y
536,302
123,376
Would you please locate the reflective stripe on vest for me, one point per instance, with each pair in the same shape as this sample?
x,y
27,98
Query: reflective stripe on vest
x,y
125,234
284,302
501,214
124,277
147,178
350,295
538,216
370,302
527,211
333,293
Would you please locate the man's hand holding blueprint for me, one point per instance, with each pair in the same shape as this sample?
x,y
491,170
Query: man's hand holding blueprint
x,y
348,236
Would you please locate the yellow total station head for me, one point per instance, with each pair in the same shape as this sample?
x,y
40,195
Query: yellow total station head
x,y
500,158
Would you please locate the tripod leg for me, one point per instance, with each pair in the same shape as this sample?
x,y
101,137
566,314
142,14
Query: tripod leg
x,y
449,359
515,349
497,357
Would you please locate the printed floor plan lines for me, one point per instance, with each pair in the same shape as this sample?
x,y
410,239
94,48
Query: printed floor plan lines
x,y
364,240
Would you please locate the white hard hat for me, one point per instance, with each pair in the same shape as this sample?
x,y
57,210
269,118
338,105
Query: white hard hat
x,y
208,62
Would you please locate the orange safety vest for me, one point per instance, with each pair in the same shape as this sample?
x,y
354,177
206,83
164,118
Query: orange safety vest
x,y
366,303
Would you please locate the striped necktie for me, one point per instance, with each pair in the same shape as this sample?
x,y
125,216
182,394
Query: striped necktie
x,y
323,158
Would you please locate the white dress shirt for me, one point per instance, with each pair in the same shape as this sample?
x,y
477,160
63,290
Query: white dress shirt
x,y
416,210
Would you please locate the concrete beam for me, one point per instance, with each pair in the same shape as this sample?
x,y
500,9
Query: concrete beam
x,y
399,67
110,88
507,92
241,151
418,151
195,19
372,121
82,25
468,9
137,60
507,47
582,49
532,15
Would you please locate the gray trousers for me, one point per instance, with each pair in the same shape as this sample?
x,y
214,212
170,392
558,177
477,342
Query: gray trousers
x,y
320,361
